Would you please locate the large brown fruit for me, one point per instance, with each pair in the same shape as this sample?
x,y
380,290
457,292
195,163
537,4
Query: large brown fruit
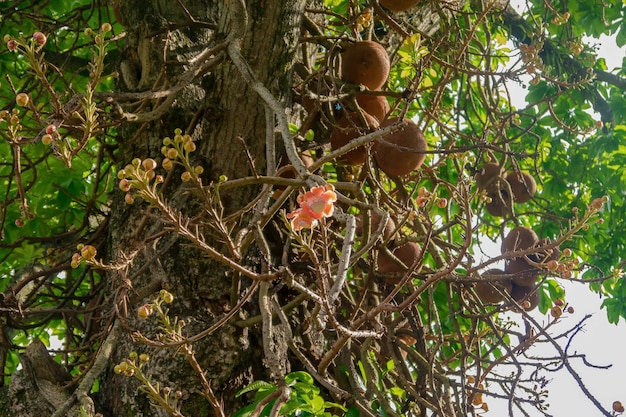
x,y
407,253
498,204
367,63
377,106
523,186
527,297
398,5
489,178
390,226
522,273
402,151
350,127
487,290
520,238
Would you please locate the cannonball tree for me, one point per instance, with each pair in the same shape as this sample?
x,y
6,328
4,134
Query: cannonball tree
x,y
179,236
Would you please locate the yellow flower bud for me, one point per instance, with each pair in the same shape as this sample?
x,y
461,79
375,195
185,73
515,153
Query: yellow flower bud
x,y
22,99
166,296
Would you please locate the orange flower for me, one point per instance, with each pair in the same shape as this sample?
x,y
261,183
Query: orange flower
x,y
314,204
300,220
318,202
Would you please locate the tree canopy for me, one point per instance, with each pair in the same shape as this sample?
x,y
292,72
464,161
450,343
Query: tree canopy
x,y
338,215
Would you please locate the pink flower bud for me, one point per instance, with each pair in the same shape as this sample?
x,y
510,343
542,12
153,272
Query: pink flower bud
x,y
76,259
149,164
124,184
144,311
12,45
39,38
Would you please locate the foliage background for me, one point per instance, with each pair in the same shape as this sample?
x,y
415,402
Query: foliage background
x,y
50,205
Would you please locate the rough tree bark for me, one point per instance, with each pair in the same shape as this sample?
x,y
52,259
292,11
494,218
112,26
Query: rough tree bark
x,y
222,114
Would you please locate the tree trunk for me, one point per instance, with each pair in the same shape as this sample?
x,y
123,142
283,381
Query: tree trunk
x,y
227,121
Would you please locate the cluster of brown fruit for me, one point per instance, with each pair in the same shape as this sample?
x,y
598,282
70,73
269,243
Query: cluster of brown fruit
x,y
520,275
504,189
401,152
404,254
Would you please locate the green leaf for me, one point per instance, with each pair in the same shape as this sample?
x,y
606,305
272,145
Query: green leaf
x,y
613,309
539,92
353,412
397,391
302,376
304,388
317,404
256,385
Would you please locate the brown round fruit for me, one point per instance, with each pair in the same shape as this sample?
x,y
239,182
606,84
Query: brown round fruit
x,y
406,253
522,273
490,291
527,297
498,204
367,63
402,151
390,227
520,238
398,5
523,186
350,127
376,106
489,178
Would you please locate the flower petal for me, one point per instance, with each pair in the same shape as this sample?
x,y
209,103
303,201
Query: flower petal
x,y
302,222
